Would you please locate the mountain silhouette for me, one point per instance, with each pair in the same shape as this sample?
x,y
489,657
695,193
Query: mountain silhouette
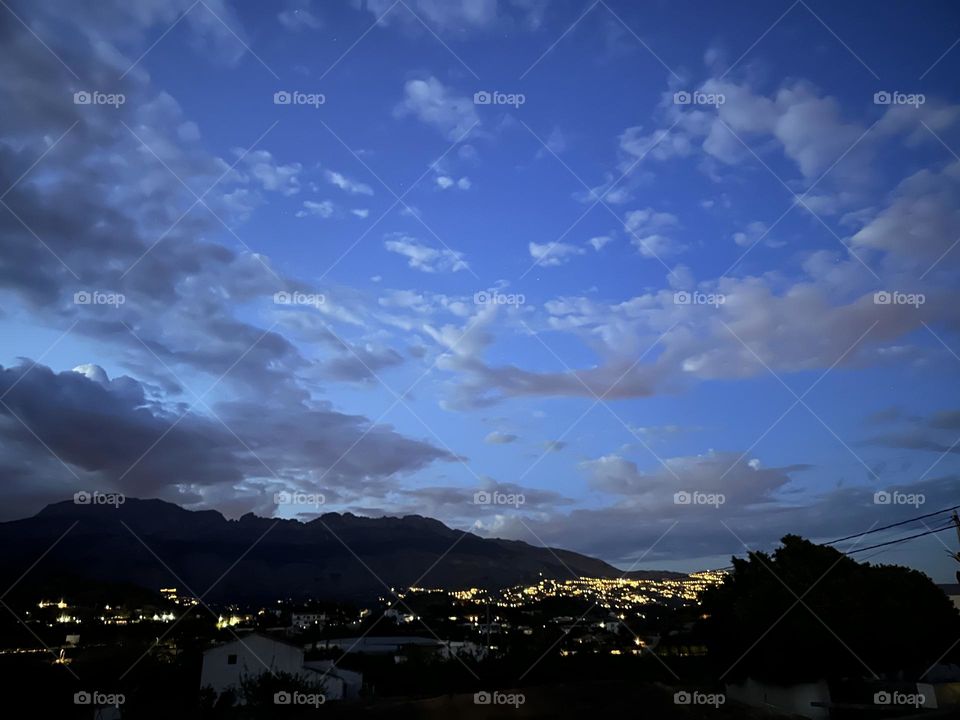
x,y
153,543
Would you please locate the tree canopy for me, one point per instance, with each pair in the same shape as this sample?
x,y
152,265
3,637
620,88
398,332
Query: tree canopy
x,y
851,620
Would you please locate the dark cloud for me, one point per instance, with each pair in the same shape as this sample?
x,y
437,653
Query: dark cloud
x,y
88,432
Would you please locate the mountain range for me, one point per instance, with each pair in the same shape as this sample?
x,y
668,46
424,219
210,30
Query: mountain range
x,y
152,543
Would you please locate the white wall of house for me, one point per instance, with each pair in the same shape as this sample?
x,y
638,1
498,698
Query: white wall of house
x,y
797,699
224,666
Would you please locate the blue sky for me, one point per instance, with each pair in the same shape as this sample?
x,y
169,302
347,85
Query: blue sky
x,y
683,220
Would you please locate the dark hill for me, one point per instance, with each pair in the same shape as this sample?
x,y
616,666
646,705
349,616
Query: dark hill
x,y
153,544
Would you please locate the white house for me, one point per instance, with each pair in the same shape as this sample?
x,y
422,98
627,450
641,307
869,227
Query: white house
x,y
248,657
307,619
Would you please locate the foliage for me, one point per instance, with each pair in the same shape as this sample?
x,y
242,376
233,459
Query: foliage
x,y
808,611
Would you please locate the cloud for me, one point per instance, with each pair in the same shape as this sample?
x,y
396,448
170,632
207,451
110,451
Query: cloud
x,y
362,364
739,480
599,242
322,209
299,16
347,185
499,438
197,453
424,258
606,192
934,433
432,103
270,174
553,254
807,127
752,234
444,14
922,221
646,227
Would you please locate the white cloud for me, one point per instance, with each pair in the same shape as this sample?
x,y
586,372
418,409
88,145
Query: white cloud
x,y
645,229
348,185
922,221
553,254
499,438
434,104
424,258
599,242
318,209
751,234
446,14
445,182
299,18
271,175
605,192
360,212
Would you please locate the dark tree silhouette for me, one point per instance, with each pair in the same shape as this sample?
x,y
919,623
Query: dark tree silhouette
x,y
853,619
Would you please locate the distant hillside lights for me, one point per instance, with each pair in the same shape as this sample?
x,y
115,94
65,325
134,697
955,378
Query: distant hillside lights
x,y
85,497
299,498
296,97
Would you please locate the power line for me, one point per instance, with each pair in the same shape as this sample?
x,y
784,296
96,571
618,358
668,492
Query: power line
x,y
900,540
879,529
892,525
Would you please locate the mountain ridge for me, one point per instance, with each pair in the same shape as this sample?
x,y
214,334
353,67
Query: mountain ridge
x,y
152,543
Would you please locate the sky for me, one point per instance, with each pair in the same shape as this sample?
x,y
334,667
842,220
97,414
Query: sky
x,y
657,282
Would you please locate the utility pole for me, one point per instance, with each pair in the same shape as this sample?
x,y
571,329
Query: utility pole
x,y
956,555
488,621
